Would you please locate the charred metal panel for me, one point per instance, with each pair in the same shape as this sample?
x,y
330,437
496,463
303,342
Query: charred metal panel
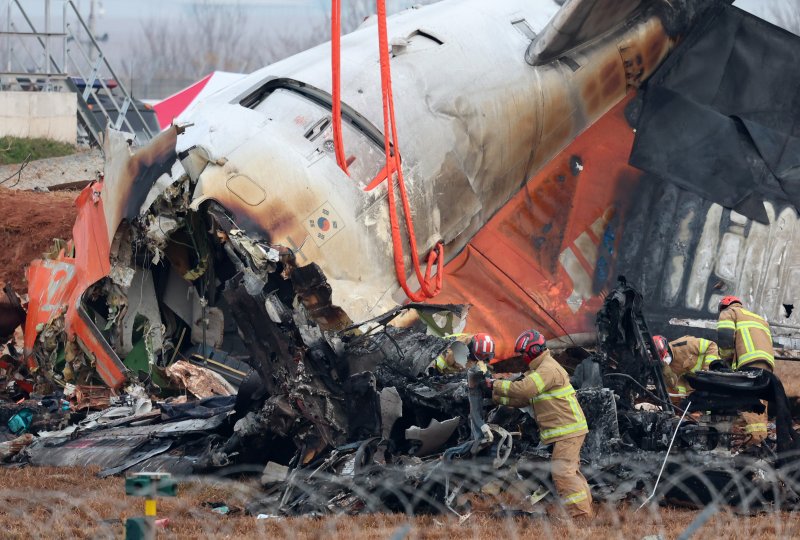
x,y
57,287
363,407
302,383
130,174
600,408
315,294
726,253
728,105
681,250
395,355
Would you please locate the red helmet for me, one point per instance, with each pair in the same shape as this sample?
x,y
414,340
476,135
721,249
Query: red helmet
x,y
727,301
482,347
530,344
662,347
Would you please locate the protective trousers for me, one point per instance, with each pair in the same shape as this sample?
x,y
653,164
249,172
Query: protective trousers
x,y
570,482
754,425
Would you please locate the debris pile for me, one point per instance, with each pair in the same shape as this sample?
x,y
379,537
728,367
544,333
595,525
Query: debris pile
x,y
208,313
249,364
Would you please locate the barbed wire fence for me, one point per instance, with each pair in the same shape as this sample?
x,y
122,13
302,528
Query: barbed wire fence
x,y
734,497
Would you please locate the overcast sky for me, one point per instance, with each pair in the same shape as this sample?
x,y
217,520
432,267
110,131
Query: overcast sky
x,y
123,20
277,11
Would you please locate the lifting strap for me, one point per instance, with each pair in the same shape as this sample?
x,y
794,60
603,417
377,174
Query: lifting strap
x,y
336,84
430,286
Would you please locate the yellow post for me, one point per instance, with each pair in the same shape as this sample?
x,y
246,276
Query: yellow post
x,y
150,507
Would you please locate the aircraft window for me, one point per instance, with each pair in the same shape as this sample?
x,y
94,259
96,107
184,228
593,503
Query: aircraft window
x,y
420,40
312,121
524,28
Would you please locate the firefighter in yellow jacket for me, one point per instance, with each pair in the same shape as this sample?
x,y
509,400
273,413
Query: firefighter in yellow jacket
x,y
745,342
743,337
683,356
547,389
477,348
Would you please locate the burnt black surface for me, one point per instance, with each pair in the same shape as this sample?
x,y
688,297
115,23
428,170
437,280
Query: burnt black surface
x,y
146,166
394,354
721,117
600,410
363,407
628,358
275,352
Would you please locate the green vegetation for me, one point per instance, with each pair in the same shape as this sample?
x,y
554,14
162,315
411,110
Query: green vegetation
x,y
17,150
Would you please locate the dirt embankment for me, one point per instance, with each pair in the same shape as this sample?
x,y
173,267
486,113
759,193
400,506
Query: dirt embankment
x,y
28,223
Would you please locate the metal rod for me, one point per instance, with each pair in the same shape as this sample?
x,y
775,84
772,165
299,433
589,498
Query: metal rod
x,y
31,58
669,449
34,74
8,38
64,39
95,75
47,39
32,34
710,324
33,29
122,87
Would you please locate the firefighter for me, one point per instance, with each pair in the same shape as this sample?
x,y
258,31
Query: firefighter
x,y
480,348
683,356
745,342
547,389
744,338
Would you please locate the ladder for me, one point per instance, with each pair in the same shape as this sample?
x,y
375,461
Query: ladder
x,y
47,61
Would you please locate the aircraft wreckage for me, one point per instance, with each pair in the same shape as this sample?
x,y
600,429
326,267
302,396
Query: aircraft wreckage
x,y
234,250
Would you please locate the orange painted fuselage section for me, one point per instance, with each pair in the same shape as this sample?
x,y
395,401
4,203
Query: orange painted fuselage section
x,y
546,258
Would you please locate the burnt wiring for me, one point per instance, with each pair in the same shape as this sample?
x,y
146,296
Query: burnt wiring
x,y
203,289
18,174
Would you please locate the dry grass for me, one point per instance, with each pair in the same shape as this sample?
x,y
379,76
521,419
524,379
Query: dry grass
x,y
72,503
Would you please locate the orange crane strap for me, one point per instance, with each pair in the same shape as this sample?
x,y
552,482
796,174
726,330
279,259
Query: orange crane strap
x,y
430,285
336,83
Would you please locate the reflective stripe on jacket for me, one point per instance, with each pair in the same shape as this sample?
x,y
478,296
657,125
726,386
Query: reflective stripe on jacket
x,y
690,355
744,337
547,389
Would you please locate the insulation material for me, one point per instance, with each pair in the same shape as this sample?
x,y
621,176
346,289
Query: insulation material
x,y
13,447
198,380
